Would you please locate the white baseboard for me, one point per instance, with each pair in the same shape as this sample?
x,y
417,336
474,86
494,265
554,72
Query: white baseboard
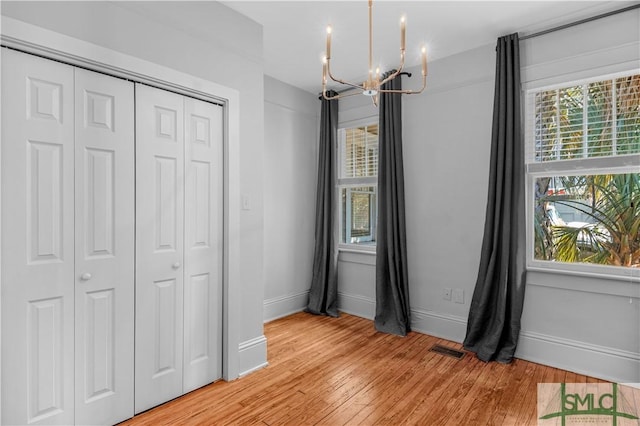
x,y
579,357
282,306
252,355
444,326
359,306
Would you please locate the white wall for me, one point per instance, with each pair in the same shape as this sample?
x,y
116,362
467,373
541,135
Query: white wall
x,y
147,30
290,174
586,325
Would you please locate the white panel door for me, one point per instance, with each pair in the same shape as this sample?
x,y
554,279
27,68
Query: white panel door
x,y
159,246
104,241
203,244
37,241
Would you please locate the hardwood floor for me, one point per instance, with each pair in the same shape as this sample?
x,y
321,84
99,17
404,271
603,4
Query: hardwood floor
x,y
335,371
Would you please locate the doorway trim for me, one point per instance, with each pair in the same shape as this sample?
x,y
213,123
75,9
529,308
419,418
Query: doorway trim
x,y
52,45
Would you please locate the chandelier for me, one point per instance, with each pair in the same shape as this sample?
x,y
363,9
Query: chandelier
x,y
372,86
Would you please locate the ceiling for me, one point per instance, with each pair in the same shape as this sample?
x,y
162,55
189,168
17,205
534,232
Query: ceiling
x,y
294,31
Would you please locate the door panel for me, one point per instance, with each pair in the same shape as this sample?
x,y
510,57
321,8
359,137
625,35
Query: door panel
x,y
104,241
99,209
165,315
44,205
159,246
37,241
203,243
45,369
166,204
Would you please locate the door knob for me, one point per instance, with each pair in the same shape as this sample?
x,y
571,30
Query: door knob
x,y
176,265
85,277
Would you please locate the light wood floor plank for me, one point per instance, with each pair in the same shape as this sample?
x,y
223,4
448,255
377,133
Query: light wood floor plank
x,y
340,371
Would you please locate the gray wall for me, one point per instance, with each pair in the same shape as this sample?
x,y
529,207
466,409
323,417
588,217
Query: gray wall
x,y
291,155
587,324
147,30
584,324
446,135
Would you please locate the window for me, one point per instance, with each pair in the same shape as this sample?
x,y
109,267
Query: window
x,y
583,174
358,185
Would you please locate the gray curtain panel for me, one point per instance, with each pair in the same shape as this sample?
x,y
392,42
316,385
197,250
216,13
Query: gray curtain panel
x,y
323,295
496,307
392,283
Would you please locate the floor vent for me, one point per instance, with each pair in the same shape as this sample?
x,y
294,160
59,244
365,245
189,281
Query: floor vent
x,y
443,350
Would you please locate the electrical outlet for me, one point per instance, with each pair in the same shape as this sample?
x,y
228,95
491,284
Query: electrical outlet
x,y
446,293
458,295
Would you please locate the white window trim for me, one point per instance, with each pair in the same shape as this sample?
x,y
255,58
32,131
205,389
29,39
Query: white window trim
x,y
352,182
576,167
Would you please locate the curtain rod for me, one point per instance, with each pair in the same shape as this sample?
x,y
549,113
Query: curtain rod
x,y
582,21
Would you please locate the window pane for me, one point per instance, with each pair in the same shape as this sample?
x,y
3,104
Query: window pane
x,y
360,152
628,115
599,110
358,218
596,119
546,128
571,103
588,219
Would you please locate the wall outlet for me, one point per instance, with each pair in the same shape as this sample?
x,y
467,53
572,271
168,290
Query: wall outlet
x,y
458,295
446,293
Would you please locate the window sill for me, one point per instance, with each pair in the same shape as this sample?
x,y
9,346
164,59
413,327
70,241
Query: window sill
x,y
585,281
363,249
357,255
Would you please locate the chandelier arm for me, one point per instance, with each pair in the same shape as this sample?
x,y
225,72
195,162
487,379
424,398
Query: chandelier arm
x,y
408,91
337,80
392,76
395,74
338,96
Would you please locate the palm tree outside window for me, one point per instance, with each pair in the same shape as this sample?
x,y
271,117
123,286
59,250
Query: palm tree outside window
x,y
583,166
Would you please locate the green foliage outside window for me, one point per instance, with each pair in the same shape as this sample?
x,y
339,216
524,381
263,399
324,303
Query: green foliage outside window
x,y
599,119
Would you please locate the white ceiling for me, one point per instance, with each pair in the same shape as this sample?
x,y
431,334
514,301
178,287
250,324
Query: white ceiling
x,y
294,31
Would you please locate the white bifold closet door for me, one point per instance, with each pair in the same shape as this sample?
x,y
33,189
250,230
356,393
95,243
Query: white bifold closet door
x,y
67,244
104,248
178,245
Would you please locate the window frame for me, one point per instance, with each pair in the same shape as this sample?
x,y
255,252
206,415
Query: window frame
x,y
353,182
616,164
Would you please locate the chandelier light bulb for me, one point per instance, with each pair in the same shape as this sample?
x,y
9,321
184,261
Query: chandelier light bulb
x,y
424,61
403,33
